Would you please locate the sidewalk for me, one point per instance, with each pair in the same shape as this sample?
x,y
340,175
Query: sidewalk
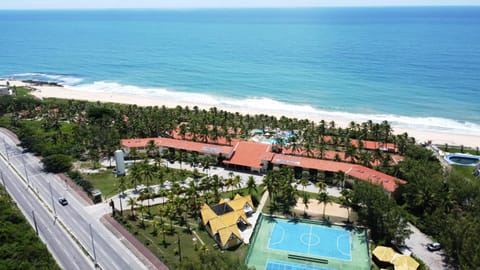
x,y
247,233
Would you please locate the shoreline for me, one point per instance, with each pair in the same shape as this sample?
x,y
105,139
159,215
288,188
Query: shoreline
x,y
45,91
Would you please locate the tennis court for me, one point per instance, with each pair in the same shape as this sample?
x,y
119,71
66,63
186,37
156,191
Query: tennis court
x,y
281,244
279,265
310,239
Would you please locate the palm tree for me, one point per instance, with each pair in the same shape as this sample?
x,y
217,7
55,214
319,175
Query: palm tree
x,y
154,224
321,186
304,182
237,181
135,174
323,198
132,202
192,192
133,154
305,200
152,150
269,185
122,185
229,183
347,200
142,213
251,185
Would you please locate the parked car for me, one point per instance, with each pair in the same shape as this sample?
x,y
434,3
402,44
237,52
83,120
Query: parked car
x,y
434,246
404,250
63,201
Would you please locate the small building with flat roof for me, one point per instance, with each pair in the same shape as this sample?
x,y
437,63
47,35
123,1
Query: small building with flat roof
x,y
4,90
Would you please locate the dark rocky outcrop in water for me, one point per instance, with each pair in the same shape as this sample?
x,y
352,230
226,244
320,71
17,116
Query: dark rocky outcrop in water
x,y
42,83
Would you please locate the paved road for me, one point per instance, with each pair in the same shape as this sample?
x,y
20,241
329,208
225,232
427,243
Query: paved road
x,y
109,252
66,252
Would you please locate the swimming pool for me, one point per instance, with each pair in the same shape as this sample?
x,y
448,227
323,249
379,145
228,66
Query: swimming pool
x,y
462,159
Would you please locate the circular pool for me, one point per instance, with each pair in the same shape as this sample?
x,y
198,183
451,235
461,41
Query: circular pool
x,y
462,159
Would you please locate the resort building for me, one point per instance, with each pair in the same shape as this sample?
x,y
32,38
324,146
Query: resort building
x,y
189,146
258,158
225,220
250,156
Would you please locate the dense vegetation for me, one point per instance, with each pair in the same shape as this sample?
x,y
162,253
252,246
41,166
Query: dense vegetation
x,y
20,247
444,203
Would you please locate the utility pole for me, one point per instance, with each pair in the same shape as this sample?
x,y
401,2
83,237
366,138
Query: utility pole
x,y
179,248
3,181
53,202
93,246
112,204
121,208
35,221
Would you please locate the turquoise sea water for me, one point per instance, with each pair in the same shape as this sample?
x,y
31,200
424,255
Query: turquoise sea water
x,y
418,67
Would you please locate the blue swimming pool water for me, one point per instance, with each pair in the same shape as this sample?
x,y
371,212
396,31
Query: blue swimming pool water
x,y
462,159
281,265
313,240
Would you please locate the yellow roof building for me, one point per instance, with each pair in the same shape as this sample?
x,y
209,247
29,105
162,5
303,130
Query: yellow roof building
x,y
222,220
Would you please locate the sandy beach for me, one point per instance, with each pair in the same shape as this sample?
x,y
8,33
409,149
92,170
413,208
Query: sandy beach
x,y
72,93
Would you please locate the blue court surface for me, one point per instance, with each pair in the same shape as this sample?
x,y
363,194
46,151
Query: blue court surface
x,y
313,240
280,265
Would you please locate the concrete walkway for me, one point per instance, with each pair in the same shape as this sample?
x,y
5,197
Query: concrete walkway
x,y
247,233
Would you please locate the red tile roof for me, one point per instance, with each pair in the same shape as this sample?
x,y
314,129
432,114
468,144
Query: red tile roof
x,y
203,148
250,154
369,145
388,182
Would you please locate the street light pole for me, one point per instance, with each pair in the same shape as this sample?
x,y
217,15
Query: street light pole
x,y
93,245
35,221
53,202
3,181
121,208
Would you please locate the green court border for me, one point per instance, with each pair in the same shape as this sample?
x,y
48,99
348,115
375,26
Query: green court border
x,y
258,252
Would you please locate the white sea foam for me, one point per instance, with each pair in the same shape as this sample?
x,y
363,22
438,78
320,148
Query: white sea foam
x,y
62,79
270,106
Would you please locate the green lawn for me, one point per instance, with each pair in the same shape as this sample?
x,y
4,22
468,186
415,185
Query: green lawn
x,y
23,91
457,149
104,181
168,251
108,183
466,171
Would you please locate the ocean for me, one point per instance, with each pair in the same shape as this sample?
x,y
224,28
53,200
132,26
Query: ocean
x,y
418,67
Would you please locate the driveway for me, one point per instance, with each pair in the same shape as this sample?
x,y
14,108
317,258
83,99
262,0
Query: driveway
x,y
417,242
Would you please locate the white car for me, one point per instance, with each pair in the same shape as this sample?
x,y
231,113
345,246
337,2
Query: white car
x,y
434,246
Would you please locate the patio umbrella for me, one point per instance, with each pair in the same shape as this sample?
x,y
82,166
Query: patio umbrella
x,y
384,254
404,262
